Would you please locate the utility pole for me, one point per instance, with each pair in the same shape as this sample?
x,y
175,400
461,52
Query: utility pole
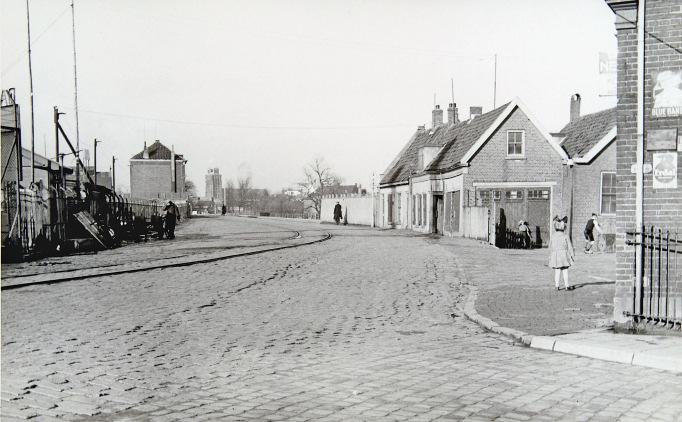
x,y
95,170
30,81
113,174
75,98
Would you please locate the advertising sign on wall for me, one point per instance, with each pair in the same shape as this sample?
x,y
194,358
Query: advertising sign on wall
x,y
667,94
665,170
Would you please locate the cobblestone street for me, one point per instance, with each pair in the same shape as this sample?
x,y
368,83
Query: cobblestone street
x,y
364,326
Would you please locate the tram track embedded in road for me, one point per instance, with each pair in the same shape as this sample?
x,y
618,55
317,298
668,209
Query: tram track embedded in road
x,y
156,266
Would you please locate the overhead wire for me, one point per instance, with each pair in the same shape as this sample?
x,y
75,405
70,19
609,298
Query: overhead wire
x,y
241,126
37,38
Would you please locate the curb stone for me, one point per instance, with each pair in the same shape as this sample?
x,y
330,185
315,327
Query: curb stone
x,y
577,348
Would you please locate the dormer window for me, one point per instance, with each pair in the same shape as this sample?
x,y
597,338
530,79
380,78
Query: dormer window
x,y
426,155
516,140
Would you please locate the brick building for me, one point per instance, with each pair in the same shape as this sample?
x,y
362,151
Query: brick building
x,y
590,182
157,172
449,177
214,185
649,117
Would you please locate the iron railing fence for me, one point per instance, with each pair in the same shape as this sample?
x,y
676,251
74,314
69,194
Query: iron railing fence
x,y
657,294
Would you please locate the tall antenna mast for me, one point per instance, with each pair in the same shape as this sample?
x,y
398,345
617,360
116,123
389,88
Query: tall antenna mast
x,y
75,97
30,79
495,84
452,90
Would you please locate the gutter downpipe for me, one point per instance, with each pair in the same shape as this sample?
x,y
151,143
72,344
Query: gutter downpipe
x,y
639,173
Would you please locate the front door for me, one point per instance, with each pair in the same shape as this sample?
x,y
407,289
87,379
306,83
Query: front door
x,y
437,214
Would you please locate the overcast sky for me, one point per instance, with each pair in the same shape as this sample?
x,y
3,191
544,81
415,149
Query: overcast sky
x,y
263,87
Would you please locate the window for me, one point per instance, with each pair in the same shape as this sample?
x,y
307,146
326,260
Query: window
x,y
485,196
515,143
414,208
398,208
608,193
537,194
514,194
425,219
497,195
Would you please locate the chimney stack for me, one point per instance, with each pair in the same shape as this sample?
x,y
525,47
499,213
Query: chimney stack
x,y
437,117
145,151
421,128
475,111
575,107
453,114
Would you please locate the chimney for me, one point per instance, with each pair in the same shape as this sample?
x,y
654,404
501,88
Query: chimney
x,y
575,107
421,128
475,111
453,115
437,117
145,151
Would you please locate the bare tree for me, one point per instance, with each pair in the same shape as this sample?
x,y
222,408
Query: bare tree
x,y
318,179
243,191
190,188
230,195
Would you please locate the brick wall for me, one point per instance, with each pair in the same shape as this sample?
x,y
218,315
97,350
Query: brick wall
x,y
152,179
540,164
587,193
661,207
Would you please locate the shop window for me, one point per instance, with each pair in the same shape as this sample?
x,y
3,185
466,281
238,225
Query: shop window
x,y
513,195
538,194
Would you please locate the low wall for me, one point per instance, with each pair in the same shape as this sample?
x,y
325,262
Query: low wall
x,y
357,209
475,222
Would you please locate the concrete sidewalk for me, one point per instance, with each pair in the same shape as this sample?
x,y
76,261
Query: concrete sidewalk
x,y
512,292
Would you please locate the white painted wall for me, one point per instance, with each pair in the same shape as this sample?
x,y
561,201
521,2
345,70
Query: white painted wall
x,y
357,208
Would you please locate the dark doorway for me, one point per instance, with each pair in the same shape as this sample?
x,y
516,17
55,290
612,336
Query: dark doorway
x,y
437,214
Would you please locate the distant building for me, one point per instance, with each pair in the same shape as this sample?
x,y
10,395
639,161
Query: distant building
x,y
291,192
214,185
103,177
157,172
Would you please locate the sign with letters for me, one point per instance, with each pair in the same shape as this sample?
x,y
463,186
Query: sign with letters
x,y
665,170
661,139
667,94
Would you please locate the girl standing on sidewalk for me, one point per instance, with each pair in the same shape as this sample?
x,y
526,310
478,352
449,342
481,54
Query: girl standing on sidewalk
x,y
561,255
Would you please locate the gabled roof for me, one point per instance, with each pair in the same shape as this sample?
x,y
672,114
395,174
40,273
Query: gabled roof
x,y
157,151
462,137
586,136
459,142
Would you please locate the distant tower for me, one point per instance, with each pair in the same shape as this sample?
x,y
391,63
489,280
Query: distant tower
x,y
214,185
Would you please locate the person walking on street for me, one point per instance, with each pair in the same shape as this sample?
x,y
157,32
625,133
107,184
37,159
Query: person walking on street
x,y
590,227
172,214
561,255
337,213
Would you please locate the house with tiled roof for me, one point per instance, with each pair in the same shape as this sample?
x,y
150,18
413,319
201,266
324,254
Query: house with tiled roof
x,y
590,143
464,178
157,172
